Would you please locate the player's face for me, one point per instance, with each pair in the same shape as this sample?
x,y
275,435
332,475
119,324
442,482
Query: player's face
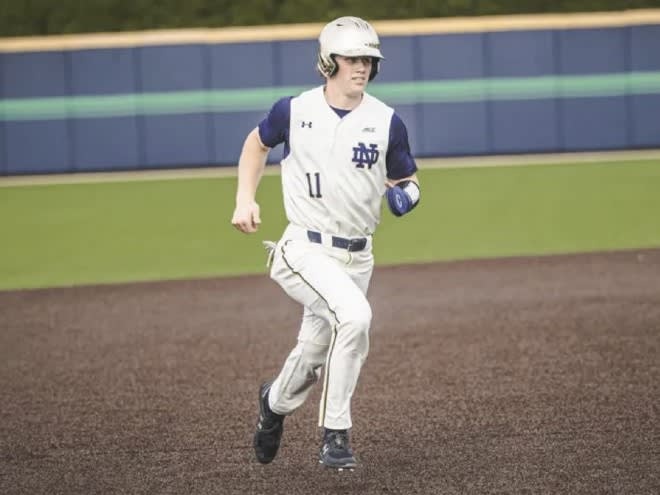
x,y
353,74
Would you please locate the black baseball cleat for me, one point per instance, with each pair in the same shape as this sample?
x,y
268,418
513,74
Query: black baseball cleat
x,y
335,451
269,429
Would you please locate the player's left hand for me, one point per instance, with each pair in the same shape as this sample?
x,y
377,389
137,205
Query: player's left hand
x,y
246,217
398,201
402,196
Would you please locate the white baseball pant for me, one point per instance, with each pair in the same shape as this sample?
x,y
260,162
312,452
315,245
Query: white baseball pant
x,y
331,283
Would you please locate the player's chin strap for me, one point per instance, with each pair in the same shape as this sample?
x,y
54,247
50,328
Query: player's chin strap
x,y
403,197
270,249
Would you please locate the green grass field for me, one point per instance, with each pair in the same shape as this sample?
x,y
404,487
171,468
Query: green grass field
x,y
59,235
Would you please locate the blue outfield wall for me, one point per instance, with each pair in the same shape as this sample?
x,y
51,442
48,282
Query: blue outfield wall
x,y
532,124
3,144
645,109
201,137
594,123
40,146
240,65
450,128
172,140
105,143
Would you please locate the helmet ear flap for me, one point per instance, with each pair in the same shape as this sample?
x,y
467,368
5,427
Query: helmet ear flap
x,y
327,66
335,67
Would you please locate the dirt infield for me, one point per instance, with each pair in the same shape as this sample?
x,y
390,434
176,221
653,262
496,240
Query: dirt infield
x,y
528,375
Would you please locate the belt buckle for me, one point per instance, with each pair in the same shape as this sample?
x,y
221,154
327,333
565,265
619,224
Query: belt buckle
x,y
356,244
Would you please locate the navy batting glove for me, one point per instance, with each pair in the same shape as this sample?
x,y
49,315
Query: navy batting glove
x,y
398,201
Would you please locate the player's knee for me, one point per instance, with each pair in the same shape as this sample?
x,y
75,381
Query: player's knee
x,y
362,321
314,354
355,326
359,317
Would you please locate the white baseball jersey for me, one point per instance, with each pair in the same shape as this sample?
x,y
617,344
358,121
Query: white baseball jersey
x,y
333,179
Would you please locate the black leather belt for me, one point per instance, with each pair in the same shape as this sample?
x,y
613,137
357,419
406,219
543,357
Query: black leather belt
x,y
355,244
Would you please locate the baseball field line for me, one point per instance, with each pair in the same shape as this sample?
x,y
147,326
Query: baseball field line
x,y
401,93
423,163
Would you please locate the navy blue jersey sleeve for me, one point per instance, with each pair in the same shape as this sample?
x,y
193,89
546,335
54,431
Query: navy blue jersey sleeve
x,y
274,129
399,161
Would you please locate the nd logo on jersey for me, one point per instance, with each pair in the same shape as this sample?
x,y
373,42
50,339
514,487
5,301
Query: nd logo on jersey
x,y
363,155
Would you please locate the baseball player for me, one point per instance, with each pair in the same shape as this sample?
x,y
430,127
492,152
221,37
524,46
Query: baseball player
x,y
343,151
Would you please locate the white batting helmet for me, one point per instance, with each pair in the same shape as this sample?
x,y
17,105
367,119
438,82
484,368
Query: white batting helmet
x,y
349,37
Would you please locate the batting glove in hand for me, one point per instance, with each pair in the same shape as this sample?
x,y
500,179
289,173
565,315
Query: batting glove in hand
x,y
402,197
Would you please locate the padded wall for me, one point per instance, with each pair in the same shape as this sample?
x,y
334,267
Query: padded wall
x,y
645,109
522,125
233,67
593,123
37,146
177,139
102,143
452,128
182,115
3,142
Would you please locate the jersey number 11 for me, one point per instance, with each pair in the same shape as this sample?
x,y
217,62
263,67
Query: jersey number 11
x,y
313,194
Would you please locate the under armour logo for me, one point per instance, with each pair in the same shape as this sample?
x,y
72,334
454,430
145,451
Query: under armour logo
x,y
362,155
306,124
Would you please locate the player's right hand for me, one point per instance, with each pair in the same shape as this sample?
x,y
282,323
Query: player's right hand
x,y
246,217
